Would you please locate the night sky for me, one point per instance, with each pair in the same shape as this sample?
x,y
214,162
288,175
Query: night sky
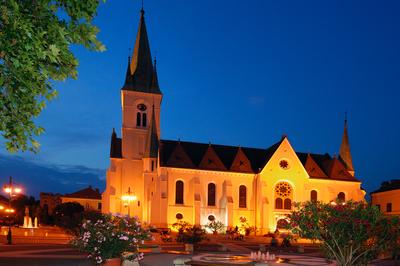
x,y
236,73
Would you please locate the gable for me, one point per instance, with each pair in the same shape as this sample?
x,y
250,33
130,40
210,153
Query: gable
x,y
285,164
241,163
179,158
313,169
211,161
337,170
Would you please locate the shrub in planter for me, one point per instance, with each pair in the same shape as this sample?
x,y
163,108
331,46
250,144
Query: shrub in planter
x,y
215,226
352,233
191,234
110,237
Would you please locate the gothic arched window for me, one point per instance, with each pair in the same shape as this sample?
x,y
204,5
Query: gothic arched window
x,y
211,194
283,196
144,120
341,197
179,192
278,203
314,195
242,196
138,119
287,204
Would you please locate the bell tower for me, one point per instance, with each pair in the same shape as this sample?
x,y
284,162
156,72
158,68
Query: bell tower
x,y
140,97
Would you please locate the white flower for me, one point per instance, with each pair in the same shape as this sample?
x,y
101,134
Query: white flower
x,y
123,238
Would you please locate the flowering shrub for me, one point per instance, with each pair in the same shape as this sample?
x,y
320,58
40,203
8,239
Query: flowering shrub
x,y
111,236
352,233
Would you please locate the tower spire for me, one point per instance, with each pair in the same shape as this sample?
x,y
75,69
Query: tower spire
x,y
151,150
345,153
141,66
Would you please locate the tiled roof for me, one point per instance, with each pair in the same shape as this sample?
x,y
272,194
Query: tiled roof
x,y
213,157
86,193
192,155
388,186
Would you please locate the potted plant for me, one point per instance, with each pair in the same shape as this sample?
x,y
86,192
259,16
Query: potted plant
x,y
215,226
190,235
111,238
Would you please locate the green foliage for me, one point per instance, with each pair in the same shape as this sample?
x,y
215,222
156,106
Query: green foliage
x,y
110,237
351,233
215,226
35,50
245,227
69,215
189,234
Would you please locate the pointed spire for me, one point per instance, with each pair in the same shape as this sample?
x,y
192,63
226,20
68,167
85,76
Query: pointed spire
x,y
154,80
113,145
344,153
151,150
141,66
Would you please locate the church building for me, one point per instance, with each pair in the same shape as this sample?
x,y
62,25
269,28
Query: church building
x,y
162,181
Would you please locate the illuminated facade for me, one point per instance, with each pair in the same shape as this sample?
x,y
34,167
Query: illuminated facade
x,y
387,197
192,181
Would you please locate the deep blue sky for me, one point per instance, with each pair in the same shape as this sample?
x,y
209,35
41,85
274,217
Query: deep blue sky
x,y
243,73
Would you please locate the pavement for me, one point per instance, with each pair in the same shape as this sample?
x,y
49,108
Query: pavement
x,y
64,255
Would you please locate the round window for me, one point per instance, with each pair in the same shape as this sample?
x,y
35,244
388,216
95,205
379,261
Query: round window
x,y
211,218
141,107
179,216
284,164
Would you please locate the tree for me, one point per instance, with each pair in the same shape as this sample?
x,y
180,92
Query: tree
x,y
69,215
352,233
35,50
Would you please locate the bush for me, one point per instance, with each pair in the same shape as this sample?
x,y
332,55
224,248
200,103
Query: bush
x,y
111,237
189,234
69,216
352,233
215,226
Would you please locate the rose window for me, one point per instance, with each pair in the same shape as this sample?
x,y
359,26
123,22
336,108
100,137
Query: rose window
x,y
283,190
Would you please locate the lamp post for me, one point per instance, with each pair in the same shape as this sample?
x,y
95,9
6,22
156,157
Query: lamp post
x,y
11,191
128,198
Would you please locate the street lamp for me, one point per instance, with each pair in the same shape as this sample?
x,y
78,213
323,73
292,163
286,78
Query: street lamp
x,y
11,191
127,199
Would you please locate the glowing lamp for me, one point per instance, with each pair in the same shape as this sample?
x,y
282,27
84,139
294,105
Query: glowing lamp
x,y
1,207
7,189
129,198
10,210
17,190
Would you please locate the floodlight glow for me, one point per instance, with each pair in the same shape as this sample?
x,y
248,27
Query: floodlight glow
x,y
17,190
129,198
7,189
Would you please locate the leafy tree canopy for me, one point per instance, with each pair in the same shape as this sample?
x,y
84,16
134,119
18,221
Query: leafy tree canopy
x,y
35,50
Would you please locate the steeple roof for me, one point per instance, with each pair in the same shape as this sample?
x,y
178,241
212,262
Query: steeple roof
x,y
151,150
344,153
141,74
